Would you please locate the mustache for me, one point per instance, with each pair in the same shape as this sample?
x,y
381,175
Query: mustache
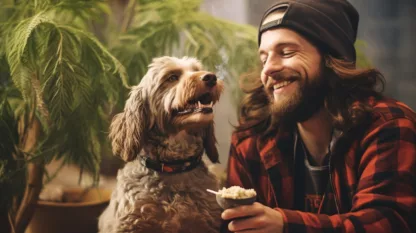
x,y
284,75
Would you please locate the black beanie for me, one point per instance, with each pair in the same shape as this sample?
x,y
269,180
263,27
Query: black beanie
x,y
330,24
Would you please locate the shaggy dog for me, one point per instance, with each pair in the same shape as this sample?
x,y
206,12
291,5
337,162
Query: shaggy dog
x,y
166,126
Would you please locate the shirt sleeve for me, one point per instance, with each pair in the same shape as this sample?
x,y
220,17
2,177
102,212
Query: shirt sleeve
x,y
385,199
236,175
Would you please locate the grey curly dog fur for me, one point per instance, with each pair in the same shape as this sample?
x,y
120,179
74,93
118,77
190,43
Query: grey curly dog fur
x,y
145,200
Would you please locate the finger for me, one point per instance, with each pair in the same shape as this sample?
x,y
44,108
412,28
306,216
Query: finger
x,y
243,211
248,223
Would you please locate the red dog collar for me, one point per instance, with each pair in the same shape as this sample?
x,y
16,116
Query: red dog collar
x,y
175,166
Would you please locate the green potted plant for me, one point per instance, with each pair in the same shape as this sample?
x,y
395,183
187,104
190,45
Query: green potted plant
x,y
66,67
54,73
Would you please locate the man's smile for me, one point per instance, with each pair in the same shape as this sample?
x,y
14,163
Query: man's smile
x,y
281,84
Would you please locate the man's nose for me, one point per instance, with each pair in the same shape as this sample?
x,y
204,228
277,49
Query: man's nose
x,y
209,79
272,65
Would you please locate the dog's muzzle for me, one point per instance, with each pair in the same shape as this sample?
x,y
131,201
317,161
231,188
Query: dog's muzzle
x,y
201,104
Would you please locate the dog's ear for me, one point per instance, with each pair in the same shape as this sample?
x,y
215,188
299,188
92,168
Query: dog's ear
x,y
128,129
210,144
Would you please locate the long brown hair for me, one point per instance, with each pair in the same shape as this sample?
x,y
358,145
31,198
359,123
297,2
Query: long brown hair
x,y
350,89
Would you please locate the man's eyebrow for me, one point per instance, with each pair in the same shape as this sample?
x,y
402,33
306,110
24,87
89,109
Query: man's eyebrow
x,y
278,45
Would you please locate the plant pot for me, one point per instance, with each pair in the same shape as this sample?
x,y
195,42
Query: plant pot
x,y
77,214
4,221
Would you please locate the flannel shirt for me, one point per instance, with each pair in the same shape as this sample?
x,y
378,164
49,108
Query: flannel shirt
x,y
372,173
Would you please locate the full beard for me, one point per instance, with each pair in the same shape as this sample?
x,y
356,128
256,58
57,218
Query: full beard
x,y
307,99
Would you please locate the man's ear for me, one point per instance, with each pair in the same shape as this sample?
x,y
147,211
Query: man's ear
x,y
129,128
210,144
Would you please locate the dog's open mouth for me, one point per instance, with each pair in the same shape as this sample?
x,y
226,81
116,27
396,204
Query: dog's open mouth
x,y
201,104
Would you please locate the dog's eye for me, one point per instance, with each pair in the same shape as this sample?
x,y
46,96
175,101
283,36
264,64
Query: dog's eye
x,y
173,78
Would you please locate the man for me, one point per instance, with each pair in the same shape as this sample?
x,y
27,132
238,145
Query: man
x,y
324,150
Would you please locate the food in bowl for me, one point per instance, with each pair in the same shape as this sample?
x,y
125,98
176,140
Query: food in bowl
x,y
237,192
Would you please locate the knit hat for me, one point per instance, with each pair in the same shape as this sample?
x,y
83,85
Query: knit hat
x,y
330,24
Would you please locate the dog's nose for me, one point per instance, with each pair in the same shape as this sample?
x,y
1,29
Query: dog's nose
x,y
209,79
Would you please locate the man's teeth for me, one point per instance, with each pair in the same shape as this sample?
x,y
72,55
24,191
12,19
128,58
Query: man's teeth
x,y
205,105
281,84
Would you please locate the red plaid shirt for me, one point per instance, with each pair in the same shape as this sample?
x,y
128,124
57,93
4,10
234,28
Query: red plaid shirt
x,y
373,175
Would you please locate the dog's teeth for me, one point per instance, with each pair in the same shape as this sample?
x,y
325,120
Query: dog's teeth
x,y
199,104
210,104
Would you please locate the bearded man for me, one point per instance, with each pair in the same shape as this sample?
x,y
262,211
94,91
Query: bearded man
x,y
322,147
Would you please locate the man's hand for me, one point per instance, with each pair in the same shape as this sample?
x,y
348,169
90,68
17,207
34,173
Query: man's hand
x,y
255,218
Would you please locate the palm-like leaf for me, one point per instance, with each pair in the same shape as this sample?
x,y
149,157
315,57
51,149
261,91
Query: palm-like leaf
x,y
69,76
180,28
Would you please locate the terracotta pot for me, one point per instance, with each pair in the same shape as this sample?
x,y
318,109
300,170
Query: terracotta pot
x,y
78,214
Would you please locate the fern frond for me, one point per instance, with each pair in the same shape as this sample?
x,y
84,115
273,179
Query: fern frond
x,y
17,41
67,72
179,28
